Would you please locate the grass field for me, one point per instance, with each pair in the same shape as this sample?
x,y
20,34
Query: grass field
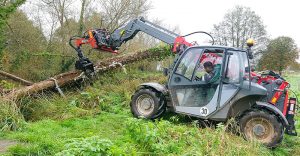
x,y
98,120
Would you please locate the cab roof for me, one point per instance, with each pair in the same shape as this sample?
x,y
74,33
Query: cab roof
x,y
219,47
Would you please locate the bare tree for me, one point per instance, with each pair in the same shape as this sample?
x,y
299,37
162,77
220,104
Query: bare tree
x,y
83,12
238,25
60,10
118,12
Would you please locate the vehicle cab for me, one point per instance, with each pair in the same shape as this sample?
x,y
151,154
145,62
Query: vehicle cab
x,y
193,94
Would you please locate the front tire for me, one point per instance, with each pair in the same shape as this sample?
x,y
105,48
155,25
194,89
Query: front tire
x,y
148,103
262,126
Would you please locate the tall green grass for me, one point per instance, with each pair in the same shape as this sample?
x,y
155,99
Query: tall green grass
x,y
10,116
97,121
115,134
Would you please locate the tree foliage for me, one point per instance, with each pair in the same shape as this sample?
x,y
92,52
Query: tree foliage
x,y
40,31
6,8
238,25
22,35
23,41
280,53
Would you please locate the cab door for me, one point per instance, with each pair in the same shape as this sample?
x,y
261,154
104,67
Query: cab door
x,y
190,94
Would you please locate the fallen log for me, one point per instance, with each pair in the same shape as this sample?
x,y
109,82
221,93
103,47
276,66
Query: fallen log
x,y
15,78
72,76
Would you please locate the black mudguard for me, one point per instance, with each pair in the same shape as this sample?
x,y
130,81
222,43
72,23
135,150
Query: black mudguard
x,y
158,87
288,121
274,110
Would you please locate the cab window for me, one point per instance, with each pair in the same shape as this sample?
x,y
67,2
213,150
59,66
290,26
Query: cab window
x,y
233,70
213,58
188,63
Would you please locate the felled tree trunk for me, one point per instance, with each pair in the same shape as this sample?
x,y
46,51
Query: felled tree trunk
x,y
69,77
15,78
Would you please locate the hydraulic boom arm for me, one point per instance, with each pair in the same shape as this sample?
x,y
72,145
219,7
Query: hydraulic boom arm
x,y
127,32
101,39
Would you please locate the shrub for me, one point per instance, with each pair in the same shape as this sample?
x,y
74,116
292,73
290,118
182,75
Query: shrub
x,y
92,146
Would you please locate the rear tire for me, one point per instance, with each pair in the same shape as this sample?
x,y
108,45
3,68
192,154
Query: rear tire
x,y
148,103
262,126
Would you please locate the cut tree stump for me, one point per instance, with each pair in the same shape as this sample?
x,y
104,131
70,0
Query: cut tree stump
x,y
72,76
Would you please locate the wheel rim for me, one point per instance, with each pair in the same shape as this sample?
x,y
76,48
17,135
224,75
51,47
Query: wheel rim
x,y
145,104
259,129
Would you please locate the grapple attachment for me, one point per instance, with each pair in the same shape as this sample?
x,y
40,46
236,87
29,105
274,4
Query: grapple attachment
x,y
85,65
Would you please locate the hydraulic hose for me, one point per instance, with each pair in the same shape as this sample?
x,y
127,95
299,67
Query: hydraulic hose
x,y
201,32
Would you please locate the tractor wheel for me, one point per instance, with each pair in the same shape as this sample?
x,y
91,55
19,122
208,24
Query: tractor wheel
x,y
262,126
147,103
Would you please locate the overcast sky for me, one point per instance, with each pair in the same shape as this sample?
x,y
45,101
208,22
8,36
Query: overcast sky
x,y
281,17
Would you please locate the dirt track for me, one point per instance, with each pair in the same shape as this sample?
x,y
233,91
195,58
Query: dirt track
x,y
5,144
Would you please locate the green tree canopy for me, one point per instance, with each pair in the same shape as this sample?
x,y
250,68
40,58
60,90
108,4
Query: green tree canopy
x,y
6,8
22,35
280,53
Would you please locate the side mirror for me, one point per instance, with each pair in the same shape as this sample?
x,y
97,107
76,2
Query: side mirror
x,y
250,54
165,71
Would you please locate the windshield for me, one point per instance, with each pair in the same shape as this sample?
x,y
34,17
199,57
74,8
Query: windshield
x,y
188,62
191,65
